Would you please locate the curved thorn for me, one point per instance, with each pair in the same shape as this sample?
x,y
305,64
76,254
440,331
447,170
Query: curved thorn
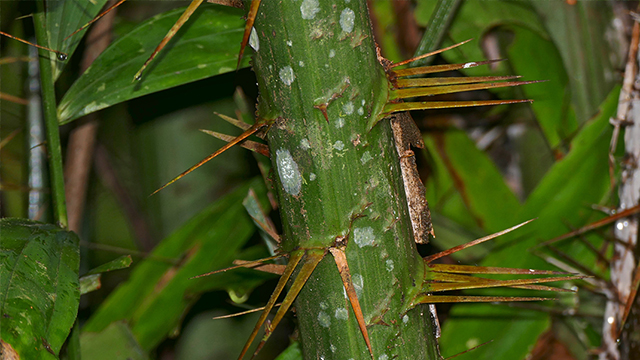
x,y
343,267
435,52
255,127
313,259
251,18
174,29
241,313
96,18
61,56
245,264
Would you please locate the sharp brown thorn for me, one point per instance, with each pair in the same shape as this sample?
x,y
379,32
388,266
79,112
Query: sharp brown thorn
x,y
235,122
441,299
268,268
13,99
293,262
261,149
439,81
343,268
435,52
96,18
251,18
469,269
313,259
172,32
61,55
438,287
455,249
425,105
441,68
8,138
450,89
466,351
255,127
244,265
241,313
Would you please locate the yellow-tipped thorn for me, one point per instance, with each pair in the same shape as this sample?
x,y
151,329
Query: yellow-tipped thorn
x,y
451,89
343,267
96,18
440,81
441,68
241,313
238,139
251,18
435,52
245,264
172,32
431,105
61,56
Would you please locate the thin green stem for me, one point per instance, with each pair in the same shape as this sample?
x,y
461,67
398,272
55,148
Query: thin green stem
x,y
54,150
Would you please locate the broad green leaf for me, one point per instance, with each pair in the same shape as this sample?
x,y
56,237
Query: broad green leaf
x,y
89,283
63,18
158,293
39,285
122,262
208,45
116,341
564,196
293,352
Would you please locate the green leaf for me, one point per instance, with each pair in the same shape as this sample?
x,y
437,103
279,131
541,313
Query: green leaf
x,y
39,285
293,352
89,283
207,45
62,19
563,196
122,262
158,293
115,342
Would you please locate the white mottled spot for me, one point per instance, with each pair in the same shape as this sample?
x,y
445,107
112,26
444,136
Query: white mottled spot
x,y
611,320
286,75
333,348
473,342
224,69
383,357
323,305
142,51
358,284
289,43
312,176
346,20
341,314
304,144
468,65
365,157
363,236
309,9
619,226
390,265
270,67
360,111
326,65
200,46
301,63
93,106
363,102
202,66
254,41
332,53
323,319
288,171
339,123
102,87
338,145
405,319
348,108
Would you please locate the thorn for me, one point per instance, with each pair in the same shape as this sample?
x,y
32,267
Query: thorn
x,y
441,68
251,18
435,52
293,262
243,265
235,122
60,55
268,268
430,105
174,29
490,283
242,313
255,127
468,269
261,149
466,351
436,81
343,268
455,249
95,19
450,89
450,299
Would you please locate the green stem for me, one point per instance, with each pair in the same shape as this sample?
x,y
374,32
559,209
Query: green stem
x,y
54,150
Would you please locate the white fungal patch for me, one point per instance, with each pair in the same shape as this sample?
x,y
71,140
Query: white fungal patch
x,y
339,123
341,314
361,111
301,63
405,319
358,284
102,87
383,357
390,265
202,66
224,69
309,9
468,65
365,157
254,41
363,102
289,173
338,145
286,75
363,236
289,43
333,348
471,343
348,108
347,18
304,144
312,177
332,53
323,305
324,319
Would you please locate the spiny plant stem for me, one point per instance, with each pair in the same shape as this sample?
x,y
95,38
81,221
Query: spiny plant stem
x,y
54,150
